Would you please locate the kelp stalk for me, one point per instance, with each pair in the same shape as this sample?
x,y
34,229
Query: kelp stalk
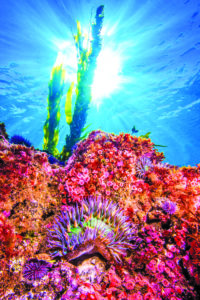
x,y
51,126
87,60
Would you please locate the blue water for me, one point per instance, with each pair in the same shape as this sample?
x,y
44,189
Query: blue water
x,y
157,46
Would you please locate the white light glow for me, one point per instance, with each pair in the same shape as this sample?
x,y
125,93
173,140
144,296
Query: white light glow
x,y
68,57
59,60
107,75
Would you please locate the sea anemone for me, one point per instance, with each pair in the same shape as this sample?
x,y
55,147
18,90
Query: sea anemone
x,y
35,269
20,140
143,165
95,227
169,207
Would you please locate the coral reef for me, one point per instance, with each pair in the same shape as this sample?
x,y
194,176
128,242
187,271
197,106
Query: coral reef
x,y
105,164
160,209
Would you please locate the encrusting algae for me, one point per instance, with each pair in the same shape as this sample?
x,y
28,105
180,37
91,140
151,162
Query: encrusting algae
x,y
113,223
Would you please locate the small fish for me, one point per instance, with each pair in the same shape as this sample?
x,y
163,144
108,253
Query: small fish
x,y
134,130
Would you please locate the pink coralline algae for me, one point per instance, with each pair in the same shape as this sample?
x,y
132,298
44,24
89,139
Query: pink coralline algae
x,y
105,164
127,173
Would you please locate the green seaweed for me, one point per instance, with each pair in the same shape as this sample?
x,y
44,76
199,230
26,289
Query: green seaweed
x,y
51,126
86,67
87,59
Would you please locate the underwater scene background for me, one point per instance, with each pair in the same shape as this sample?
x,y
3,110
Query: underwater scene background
x,y
147,75
99,143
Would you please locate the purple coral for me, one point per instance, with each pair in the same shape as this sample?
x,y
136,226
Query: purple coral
x,y
143,165
35,269
169,207
20,140
93,220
